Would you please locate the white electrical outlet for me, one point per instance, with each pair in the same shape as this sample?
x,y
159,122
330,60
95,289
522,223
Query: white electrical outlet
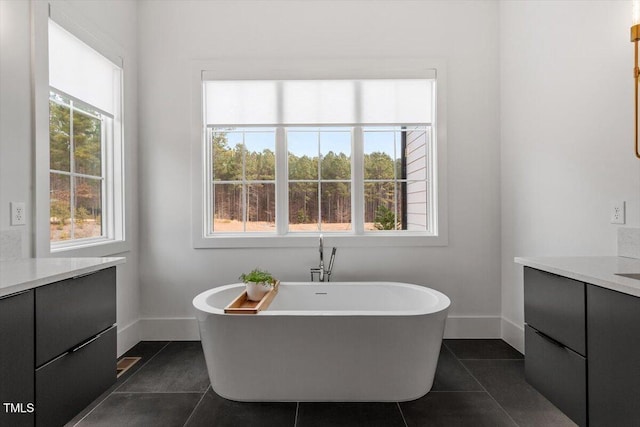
x,y
617,213
18,214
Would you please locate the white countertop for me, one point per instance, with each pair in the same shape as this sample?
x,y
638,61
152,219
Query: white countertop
x,y
597,270
29,273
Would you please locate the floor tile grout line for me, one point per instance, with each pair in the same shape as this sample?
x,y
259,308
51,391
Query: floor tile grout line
x,y
460,360
402,415
160,392
196,407
488,358
117,388
141,367
93,409
295,420
490,395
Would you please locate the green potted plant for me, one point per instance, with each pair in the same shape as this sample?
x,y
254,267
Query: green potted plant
x,y
258,283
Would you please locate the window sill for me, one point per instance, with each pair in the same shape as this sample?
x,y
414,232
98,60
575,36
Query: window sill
x,y
390,239
93,248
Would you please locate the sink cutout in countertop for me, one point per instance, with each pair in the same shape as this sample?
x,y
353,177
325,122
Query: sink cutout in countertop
x,y
630,275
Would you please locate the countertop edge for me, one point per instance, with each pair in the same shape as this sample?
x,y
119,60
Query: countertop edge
x,y
605,278
60,273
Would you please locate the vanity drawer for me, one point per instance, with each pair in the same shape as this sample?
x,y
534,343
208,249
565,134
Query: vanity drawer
x,y
71,311
557,372
555,306
69,383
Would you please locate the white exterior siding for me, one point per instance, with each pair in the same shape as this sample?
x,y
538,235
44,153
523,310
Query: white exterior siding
x,y
416,152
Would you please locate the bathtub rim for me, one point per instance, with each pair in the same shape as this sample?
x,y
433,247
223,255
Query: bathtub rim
x,y
443,301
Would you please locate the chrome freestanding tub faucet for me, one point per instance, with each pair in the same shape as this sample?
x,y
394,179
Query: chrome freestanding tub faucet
x,y
323,275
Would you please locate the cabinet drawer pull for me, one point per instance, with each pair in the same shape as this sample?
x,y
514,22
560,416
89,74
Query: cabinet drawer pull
x,y
548,338
86,343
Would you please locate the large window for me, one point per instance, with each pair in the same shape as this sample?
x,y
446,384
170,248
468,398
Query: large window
x,y
85,153
302,157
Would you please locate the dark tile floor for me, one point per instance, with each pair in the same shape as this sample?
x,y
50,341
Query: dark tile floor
x,y
478,383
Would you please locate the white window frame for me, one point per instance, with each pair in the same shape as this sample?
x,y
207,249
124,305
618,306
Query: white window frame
x,y
114,239
309,69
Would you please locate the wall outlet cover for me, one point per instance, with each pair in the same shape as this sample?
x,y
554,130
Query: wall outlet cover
x,y
617,212
18,213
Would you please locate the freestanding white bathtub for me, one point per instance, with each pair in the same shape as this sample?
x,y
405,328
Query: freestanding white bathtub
x,y
339,342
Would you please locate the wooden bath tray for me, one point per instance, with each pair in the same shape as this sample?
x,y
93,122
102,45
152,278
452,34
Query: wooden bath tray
x,y
242,305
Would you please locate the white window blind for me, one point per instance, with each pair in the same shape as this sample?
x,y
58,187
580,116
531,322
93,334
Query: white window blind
x,y
397,101
79,71
321,102
318,101
241,102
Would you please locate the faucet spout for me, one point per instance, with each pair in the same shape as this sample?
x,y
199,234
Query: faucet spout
x,y
323,275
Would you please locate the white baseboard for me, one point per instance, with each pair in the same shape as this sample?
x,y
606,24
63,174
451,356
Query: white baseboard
x,y
186,328
128,336
472,327
513,334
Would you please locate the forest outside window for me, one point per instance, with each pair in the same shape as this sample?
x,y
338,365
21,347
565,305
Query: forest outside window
x,y
243,173
319,184
343,157
76,174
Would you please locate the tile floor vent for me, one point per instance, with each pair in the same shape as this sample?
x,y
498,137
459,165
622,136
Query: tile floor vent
x,y
125,363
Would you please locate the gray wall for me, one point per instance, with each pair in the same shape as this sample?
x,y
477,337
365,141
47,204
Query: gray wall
x,y
172,34
16,177
566,135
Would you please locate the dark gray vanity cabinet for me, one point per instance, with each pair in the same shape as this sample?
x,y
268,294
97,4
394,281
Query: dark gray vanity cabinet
x,y
582,345
16,360
75,337
555,340
57,349
613,325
